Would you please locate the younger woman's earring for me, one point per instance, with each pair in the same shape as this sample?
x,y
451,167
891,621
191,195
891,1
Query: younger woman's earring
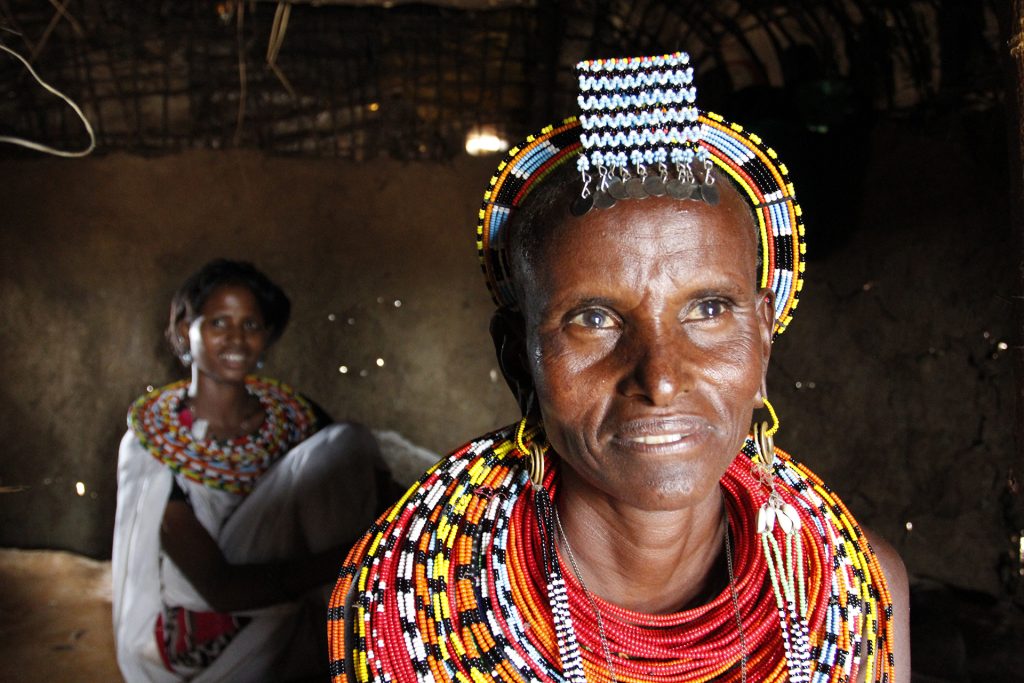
x,y
259,363
186,358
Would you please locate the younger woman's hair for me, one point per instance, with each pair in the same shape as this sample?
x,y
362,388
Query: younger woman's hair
x,y
190,298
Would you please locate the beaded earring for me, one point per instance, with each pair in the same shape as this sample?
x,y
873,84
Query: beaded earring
x,y
763,435
533,451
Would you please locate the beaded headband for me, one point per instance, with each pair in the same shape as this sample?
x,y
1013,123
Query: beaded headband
x,y
639,135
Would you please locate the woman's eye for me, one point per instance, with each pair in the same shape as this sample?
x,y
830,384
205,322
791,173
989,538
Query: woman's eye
x,y
594,319
708,309
218,322
253,326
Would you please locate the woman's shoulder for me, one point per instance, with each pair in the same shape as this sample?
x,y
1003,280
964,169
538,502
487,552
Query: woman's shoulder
x,y
898,585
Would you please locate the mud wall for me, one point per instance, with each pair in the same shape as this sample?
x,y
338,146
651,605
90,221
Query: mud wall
x,y
891,382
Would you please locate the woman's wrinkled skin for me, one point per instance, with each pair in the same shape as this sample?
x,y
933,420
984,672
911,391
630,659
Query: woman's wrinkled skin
x,y
648,344
645,341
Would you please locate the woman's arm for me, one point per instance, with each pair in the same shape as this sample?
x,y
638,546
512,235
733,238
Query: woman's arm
x,y
899,590
231,588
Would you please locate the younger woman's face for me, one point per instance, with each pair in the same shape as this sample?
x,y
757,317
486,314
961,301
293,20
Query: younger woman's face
x,y
229,336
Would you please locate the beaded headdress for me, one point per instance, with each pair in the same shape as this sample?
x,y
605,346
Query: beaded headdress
x,y
639,135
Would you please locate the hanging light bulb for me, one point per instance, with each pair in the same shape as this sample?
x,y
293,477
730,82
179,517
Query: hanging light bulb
x,y
485,140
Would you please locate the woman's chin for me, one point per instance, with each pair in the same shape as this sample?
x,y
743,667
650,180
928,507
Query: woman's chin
x,y
230,375
663,489
676,495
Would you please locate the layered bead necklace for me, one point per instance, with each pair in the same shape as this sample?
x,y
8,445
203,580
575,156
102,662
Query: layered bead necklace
x,y
462,580
233,465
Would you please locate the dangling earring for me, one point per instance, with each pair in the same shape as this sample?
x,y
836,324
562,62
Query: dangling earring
x,y
534,452
547,516
185,356
762,467
763,434
536,465
785,559
259,363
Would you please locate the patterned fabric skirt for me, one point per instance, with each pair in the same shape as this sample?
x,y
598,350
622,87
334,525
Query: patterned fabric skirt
x,y
189,640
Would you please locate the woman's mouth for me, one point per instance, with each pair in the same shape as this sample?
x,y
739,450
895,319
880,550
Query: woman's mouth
x,y
233,358
663,432
656,439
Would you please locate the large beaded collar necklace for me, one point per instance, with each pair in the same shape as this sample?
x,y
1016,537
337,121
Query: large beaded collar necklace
x,y
234,465
451,584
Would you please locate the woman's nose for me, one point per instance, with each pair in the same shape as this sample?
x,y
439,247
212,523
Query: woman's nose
x,y
659,368
235,332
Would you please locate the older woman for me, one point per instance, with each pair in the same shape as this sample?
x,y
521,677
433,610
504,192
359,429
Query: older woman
x,y
630,527
237,498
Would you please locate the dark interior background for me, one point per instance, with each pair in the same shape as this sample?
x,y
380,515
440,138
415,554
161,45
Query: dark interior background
x,y
339,170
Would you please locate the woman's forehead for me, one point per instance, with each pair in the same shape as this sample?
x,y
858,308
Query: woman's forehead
x,y
230,294
636,245
659,225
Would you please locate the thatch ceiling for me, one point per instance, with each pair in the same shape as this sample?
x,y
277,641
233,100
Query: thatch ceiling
x,y
359,78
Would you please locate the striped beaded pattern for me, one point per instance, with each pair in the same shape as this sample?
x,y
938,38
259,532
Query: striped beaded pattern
x,y
525,166
635,112
449,585
234,465
755,168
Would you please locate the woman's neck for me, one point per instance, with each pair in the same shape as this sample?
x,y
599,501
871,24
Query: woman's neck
x,y
646,561
226,406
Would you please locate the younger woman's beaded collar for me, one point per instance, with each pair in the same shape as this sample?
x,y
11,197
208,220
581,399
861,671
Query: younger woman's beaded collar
x,y
233,465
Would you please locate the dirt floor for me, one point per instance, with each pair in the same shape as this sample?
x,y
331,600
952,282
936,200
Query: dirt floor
x,y
55,626
55,618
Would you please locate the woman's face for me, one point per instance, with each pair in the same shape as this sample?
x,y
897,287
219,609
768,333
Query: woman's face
x,y
648,343
229,336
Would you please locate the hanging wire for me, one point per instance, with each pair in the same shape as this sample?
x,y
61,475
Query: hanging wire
x,y
37,146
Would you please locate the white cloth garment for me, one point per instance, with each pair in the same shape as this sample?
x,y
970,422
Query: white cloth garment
x,y
317,496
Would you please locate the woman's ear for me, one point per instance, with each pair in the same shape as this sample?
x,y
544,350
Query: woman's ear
x,y
181,343
508,331
762,392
